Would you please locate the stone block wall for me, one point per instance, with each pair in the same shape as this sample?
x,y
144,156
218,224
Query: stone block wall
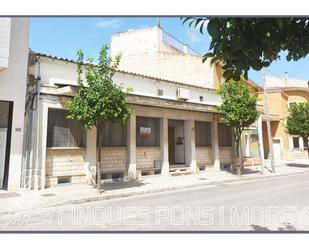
x,y
65,163
226,155
145,157
203,156
114,159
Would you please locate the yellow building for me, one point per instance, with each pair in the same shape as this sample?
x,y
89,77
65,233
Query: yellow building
x,y
282,93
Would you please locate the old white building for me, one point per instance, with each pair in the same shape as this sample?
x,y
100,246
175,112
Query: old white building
x,y
13,82
174,128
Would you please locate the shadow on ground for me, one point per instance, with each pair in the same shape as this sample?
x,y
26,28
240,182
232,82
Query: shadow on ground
x,y
299,165
285,227
121,185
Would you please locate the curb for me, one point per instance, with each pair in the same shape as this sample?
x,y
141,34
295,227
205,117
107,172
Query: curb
x,y
167,189
152,191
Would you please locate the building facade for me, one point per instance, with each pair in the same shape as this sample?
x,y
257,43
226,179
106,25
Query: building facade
x,y
282,93
173,129
13,81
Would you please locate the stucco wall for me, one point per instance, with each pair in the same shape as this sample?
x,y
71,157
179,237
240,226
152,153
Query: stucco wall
x,y
13,81
5,31
203,156
145,157
65,162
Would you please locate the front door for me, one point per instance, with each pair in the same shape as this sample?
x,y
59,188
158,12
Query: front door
x,y
5,138
171,145
277,149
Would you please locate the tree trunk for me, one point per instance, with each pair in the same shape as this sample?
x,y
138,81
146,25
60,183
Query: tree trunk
x,y
237,159
98,168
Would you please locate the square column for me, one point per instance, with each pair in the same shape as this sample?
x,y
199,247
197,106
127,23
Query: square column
x,y
132,172
91,155
190,153
164,146
215,143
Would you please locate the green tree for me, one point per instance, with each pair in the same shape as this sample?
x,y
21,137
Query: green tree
x,y
244,43
98,99
298,121
239,111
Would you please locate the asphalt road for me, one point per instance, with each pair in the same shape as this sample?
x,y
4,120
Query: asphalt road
x,y
277,204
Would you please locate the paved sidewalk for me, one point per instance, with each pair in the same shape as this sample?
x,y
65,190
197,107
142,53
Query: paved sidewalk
x,y
79,193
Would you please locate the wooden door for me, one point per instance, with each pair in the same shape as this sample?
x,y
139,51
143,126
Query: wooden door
x,y
171,145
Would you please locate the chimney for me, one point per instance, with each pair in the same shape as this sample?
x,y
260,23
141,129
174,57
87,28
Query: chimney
x,y
285,79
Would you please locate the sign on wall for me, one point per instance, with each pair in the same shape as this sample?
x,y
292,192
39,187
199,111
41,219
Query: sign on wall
x,y
145,131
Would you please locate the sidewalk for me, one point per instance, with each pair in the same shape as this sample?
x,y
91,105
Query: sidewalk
x,y
80,193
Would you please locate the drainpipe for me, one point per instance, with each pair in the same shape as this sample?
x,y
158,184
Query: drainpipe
x,y
36,169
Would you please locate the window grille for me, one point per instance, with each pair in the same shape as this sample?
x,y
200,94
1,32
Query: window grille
x,y
113,135
151,139
202,133
225,135
62,132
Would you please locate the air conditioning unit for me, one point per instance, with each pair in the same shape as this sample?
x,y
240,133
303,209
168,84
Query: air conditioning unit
x,y
183,94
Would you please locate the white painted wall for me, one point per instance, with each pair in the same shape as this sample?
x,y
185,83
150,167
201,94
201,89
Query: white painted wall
x,y
272,81
56,71
13,81
5,34
153,52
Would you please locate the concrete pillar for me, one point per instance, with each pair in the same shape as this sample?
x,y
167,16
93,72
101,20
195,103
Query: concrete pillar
x,y
91,155
132,172
215,143
190,154
164,146
42,141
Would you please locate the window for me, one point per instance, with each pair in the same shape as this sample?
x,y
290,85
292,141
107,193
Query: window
x,y
225,135
201,98
202,133
147,131
296,142
113,135
62,132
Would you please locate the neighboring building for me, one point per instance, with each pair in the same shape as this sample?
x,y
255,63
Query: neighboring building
x,y
154,52
13,81
282,93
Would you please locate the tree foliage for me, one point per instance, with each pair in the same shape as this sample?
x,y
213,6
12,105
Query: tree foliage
x,y
238,108
298,120
98,99
244,43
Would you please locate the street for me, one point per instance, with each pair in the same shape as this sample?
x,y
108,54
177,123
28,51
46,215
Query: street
x,y
276,204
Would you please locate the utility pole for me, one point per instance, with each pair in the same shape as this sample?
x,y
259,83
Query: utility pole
x,y
158,22
266,110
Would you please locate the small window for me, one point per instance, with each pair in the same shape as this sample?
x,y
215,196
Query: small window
x,y
201,98
202,134
296,142
113,135
62,132
225,135
147,131
160,92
